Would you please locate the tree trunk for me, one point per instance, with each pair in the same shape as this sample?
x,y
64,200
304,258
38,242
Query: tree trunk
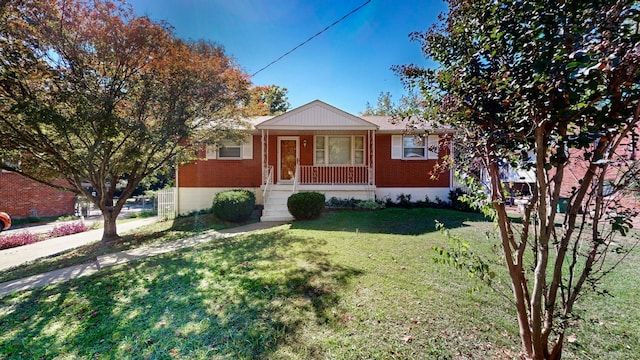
x,y
110,232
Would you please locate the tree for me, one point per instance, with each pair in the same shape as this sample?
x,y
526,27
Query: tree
x,y
93,94
558,81
386,107
267,100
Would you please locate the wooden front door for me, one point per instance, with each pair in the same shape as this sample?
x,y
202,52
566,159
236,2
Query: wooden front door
x,y
287,158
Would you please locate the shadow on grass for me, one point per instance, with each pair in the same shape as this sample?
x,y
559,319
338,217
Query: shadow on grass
x,y
389,221
154,233
241,298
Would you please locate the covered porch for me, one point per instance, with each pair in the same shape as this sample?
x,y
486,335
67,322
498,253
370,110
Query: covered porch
x,y
316,148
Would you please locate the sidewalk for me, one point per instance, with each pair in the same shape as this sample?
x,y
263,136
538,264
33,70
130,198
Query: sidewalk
x,y
22,254
103,261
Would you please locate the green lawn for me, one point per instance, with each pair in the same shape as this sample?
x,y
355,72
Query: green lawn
x,y
352,285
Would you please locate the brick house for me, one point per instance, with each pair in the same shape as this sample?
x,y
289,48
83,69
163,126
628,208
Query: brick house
x,y
22,197
318,147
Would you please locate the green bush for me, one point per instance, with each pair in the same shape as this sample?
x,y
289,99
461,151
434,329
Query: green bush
x,y
234,205
306,205
459,200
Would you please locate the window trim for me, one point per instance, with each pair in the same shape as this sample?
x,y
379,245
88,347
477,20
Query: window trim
x,y
229,145
352,150
398,148
246,150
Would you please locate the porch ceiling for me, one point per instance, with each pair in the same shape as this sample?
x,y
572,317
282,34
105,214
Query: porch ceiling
x,y
316,115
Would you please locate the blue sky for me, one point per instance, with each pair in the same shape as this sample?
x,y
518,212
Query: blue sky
x,y
346,66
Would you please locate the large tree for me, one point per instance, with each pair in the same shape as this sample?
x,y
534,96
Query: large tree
x,y
93,94
556,84
267,100
386,107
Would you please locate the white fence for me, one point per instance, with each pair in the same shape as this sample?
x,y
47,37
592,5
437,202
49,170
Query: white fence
x,y
167,203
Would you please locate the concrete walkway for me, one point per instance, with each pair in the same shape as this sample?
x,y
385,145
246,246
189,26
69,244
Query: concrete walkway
x,y
19,255
122,257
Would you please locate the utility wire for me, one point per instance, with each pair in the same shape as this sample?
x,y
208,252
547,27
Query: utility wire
x,y
311,38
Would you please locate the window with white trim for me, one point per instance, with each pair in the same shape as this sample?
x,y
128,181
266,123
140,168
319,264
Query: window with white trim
x,y
415,147
339,150
229,150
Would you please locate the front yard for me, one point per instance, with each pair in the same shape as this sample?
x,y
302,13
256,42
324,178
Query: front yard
x,y
352,285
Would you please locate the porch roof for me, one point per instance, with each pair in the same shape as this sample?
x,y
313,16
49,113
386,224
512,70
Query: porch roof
x,y
316,115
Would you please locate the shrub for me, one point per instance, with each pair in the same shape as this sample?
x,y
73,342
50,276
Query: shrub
x,y
234,205
15,240
67,229
369,205
306,205
459,201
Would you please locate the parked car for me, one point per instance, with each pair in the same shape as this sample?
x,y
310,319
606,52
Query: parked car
x,y
5,221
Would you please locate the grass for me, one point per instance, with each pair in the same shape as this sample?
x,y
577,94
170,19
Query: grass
x,y
158,232
352,285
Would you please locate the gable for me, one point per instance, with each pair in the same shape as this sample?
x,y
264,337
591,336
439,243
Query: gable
x,y
316,115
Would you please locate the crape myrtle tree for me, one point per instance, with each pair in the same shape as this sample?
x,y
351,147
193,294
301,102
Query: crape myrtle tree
x,y
554,83
95,95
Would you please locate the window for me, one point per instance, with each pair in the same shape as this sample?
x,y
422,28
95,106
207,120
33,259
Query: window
x,y
414,147
339,150
231,151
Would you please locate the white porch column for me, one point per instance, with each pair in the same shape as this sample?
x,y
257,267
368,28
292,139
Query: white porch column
x,y
371,135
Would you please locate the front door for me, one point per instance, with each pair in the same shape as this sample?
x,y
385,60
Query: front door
x,y
287,158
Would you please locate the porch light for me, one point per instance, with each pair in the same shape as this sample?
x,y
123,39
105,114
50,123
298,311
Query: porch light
x,y
304,143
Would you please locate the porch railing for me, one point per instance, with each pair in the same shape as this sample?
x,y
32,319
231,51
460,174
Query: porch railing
x,y
334,175
268,183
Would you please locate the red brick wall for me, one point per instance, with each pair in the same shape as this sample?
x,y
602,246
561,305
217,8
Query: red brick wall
x,y
247,173
404,173
22,197
223,173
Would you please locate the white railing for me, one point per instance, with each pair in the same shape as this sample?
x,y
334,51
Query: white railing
x,y
296,177
335,174
267,183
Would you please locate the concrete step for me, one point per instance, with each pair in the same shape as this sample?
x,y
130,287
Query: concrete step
x,y
276,218
275,208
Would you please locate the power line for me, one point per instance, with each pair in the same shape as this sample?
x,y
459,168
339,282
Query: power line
x,y
311,38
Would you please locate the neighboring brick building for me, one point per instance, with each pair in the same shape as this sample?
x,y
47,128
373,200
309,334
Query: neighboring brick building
x,y
22,197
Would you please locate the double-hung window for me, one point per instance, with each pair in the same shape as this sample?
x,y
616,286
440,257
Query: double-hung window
x,y
414,147
229,150
339,150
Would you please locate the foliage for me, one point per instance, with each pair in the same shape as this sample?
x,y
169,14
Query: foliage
x,y
460,255
93,94
68,229
234,205
460,200
267,100
552,89
19,239
386,107
306,205
369,205
355,204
